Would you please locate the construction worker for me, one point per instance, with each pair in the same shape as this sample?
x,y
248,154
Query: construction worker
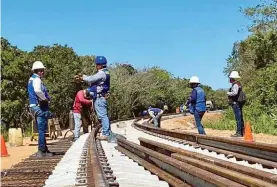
x,y
39,106
99,91
81,99
156,115
197,103
236,102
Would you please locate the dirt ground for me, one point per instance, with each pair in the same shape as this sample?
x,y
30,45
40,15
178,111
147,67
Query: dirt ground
x,y
17,154
186,123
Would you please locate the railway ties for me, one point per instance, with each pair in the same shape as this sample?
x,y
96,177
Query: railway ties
x,y
145,156
34,171
196,169
256,155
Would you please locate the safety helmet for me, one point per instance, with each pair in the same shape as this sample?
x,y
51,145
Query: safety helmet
x,y
194,79
38,65
100,60
234,75
144,113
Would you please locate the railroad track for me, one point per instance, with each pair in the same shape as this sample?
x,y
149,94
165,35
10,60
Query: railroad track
x,y
147,156
175,159
34,171
77,163
252,152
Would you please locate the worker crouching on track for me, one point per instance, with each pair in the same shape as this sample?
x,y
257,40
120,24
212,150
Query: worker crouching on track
x,y
236,100
39,106
156,116
99,90
81,99
197,103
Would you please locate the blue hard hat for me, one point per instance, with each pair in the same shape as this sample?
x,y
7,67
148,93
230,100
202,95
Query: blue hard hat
x,y
145,112
100,60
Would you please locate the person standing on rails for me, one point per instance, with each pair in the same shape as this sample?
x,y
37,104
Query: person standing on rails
x,y
156,116
236,99
39,106
80,100
197,103
99,91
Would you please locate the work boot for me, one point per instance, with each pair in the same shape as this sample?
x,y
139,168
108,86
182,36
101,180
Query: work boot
x,y
105,138
47,150
40,154
48,154
237,135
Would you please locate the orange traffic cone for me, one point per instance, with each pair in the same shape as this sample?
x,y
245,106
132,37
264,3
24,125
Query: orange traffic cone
x,y
248,133
4,151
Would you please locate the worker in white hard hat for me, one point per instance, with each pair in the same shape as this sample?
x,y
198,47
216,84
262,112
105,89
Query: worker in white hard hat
x,y
39,101
236,99
197,103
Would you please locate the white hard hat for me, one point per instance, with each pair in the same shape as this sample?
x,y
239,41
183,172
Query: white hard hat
x,y
234,75
194,79
38,65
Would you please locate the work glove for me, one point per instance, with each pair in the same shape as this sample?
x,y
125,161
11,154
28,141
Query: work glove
x,y
78,77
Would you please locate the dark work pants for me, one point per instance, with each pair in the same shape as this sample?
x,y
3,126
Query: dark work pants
x,y
237,108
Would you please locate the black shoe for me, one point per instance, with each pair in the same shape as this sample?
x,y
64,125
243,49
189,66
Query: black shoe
x,y
49,154
237,135
41,154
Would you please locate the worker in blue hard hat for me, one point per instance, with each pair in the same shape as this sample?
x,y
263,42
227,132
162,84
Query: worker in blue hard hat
x,y
99,91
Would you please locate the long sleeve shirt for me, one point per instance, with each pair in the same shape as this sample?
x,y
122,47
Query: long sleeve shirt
x,y
38,88
94,79
79,101
97,79
234,90
192,98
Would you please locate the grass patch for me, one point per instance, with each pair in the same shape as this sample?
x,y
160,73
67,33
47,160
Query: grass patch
x,y
260,121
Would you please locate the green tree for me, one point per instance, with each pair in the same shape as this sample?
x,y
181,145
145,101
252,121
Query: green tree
x,y
14,78
62,63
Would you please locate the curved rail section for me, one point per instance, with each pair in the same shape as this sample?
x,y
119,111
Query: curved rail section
x,y
181,167
266,152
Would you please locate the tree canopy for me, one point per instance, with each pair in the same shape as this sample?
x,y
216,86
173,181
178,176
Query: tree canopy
x,y
132,89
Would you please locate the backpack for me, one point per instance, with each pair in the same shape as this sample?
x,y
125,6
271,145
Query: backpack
x,y
242,97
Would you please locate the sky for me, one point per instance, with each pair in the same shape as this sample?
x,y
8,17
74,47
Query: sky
x,y
184,37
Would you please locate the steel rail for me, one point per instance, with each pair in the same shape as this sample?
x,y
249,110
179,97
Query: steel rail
x,y
191,174
266,152
256,177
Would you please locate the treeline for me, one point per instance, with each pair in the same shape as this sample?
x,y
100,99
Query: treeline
x,y
256,59
132,90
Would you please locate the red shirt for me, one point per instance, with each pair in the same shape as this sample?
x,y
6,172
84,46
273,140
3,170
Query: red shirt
x,y
79,101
